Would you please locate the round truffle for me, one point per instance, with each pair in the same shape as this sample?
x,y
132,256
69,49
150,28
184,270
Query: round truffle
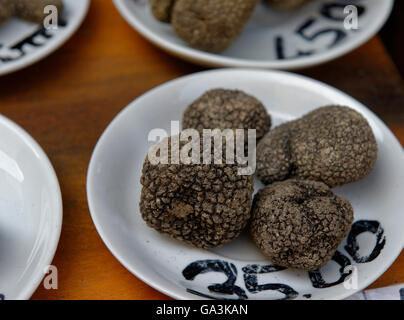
x,y
205,205
33,10
299,223
211,25
161,9
227,109
332,144
6,10
285,4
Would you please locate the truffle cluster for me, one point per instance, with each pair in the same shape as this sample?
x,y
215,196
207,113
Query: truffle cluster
x,y
300,223
208,25
297,221
227,109
30,10
205,205
332,144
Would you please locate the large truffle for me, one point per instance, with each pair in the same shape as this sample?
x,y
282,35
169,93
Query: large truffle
x,y
6,10
211,25
299,224
332,144
205,205
285,4
33,10
227,109
161,9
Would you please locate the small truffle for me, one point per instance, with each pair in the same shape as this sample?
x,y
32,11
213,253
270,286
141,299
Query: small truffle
x,y
227,109
161,9
205,205
285,4
211,25
6,10
299,223
332,144
33,10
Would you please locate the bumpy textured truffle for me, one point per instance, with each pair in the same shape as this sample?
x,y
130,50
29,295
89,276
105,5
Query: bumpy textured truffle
x,y
332,144
205,205
227,109
285,4
6,10
161,9
33,10
299,223
211,25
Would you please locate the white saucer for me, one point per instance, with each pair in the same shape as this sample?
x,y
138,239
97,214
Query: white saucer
x,y
113,190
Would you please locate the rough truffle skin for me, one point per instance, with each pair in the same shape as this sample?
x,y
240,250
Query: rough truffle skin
x,y
203,205
299,223
227,109
161,9
285,4
331,144
6,10
33,10
211,25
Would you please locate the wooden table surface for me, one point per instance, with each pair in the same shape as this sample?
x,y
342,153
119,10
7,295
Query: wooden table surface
x,y
67,100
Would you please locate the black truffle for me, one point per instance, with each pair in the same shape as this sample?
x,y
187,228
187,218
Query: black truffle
x,y
33,10
211,25
227,109
285,4
332,144
205,205
6,10
161,9
299,223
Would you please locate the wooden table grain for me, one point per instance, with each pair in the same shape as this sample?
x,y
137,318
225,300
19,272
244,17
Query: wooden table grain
x,y
66,101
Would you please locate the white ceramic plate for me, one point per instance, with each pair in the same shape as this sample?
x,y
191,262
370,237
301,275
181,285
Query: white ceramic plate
x,y
113,190
23,43
30,212
310,35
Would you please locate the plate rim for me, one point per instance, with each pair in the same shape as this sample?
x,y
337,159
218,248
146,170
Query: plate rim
x,y
91,170
216,60
47,50
30,287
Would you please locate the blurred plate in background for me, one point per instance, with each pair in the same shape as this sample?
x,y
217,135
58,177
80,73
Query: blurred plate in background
x,y
23,43
304,37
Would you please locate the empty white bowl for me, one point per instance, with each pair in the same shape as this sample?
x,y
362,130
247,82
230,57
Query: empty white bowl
x,y
30,212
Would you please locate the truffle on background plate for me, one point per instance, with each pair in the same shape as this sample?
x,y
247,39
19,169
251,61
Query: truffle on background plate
x,y
6,10
227,109
211,25
299,223
332,144
285,4
161,9
205,205
33,10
